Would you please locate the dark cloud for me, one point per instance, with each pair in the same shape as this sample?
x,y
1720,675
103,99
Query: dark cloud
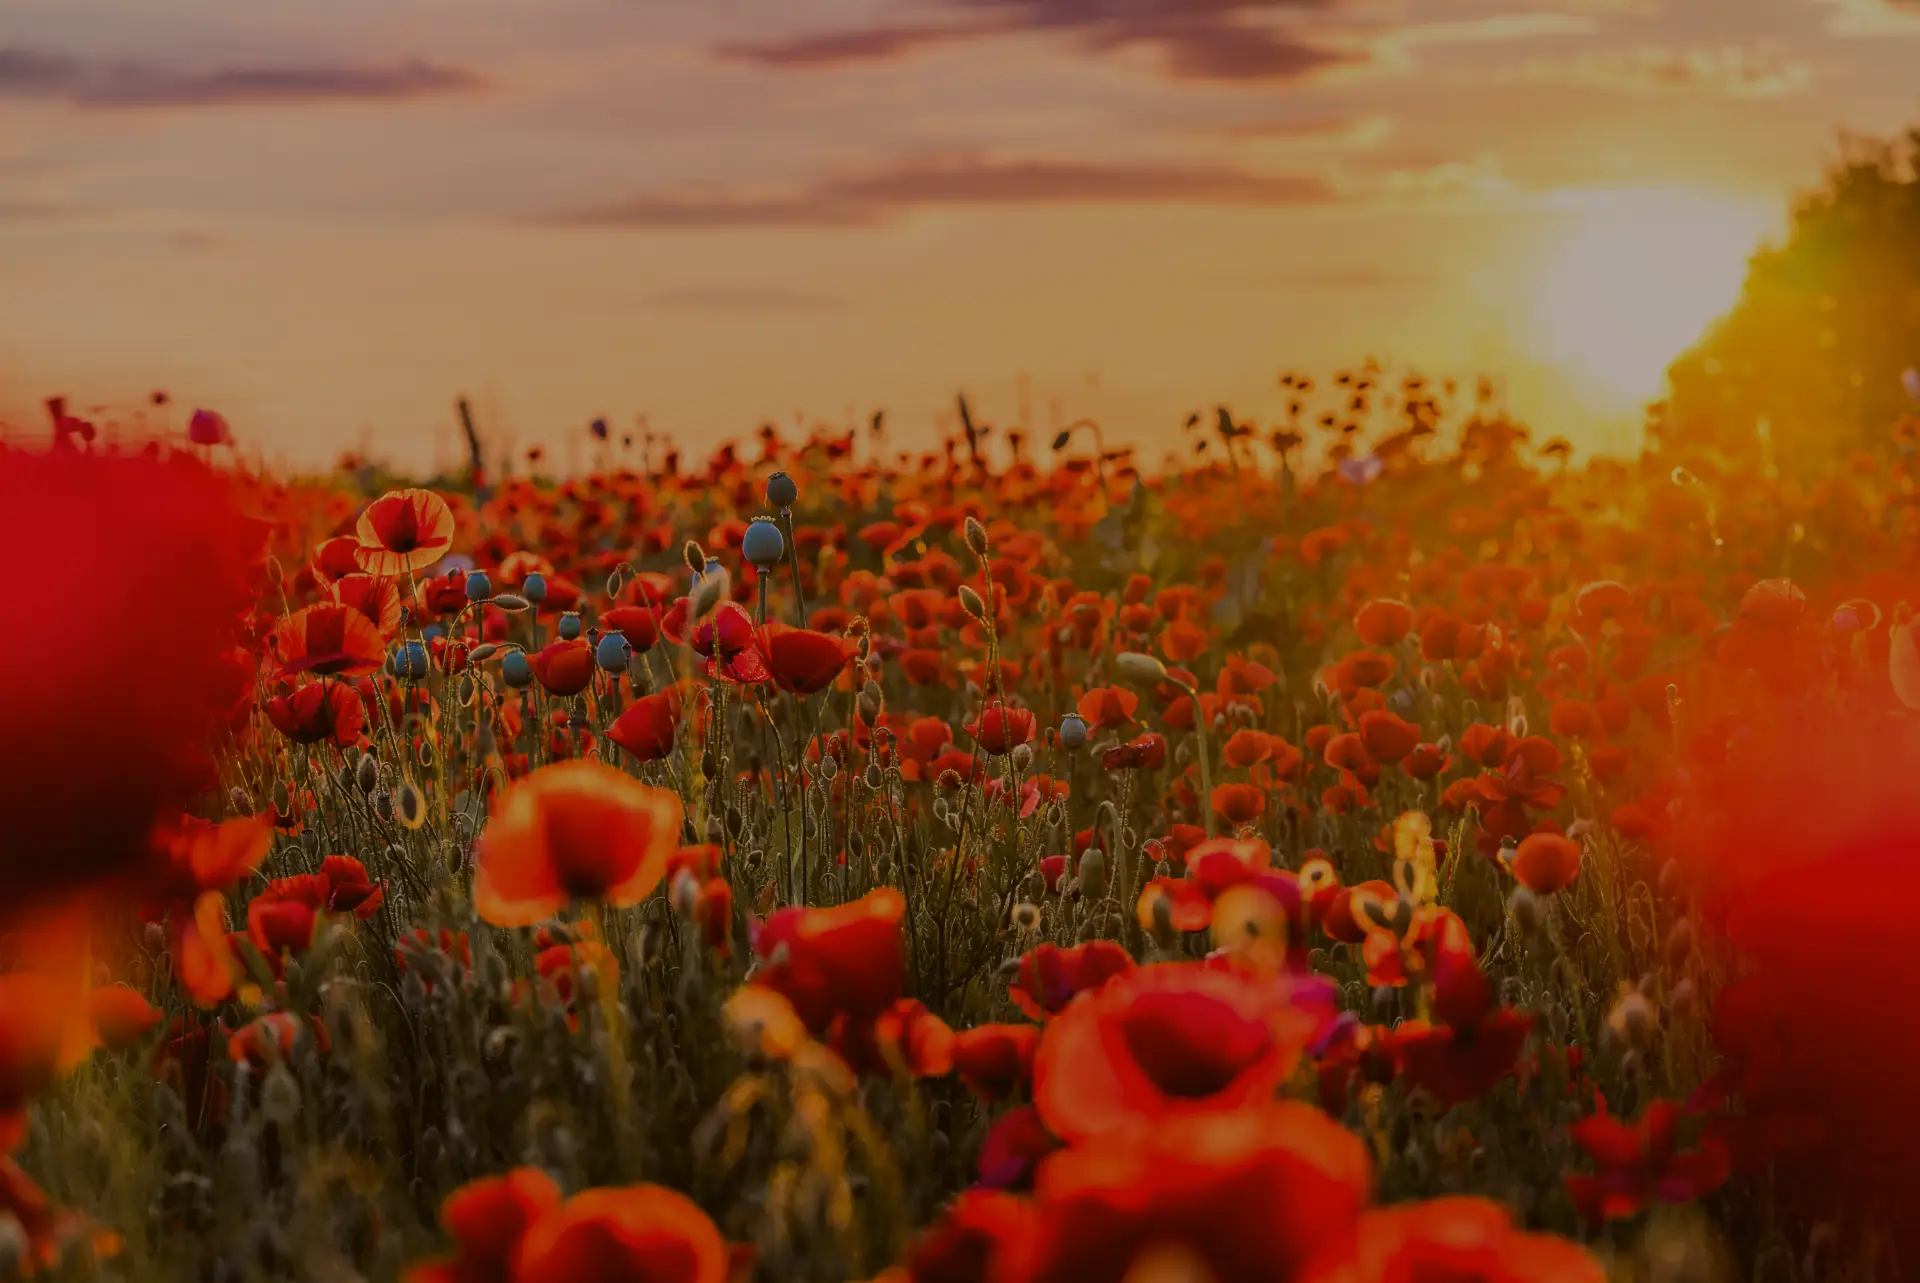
x,y
1218,40
26,73
881,195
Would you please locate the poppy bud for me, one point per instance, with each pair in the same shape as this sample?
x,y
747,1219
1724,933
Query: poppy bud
x,y
949,780
1679,943
1093,873
763,544
970,602
1525,907
479,587
569,626
1138,666
713,586
1022,756
238,800
829,767
410,661
367,773
483,652
282,800
873,776
534,587
695,556
1680,1000
870,695
383,806
1073,731
976,537
516,669
512,601
781,491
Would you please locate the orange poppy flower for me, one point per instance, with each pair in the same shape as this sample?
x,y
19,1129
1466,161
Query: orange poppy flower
x,y
1001,728
1164,1041
1246,746
648,726
404,530
842,961
1183,640
330,640
121,1016
377,599
1247,1196
577,830
44,1032
1106,707
1546,862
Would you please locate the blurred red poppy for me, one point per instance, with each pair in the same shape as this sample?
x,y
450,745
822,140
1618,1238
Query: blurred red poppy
x,y
648,726
1462,1240
577,830
995,1060
1163,1041
564,667
1383,622
329,640
486,1219
1642,1163
317,711
801,660
1048,977
841,961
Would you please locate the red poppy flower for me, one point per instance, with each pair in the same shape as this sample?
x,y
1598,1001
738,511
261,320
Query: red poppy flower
x,y
329,640
349,888
271,1037
1183,641
486,1219
44,1032
1362,670
1387,737
1160,1042
377,599
974,1234
279,926
1546,862
1247,746
336,558
999,729
444,594
1383,622
1142,753
1013,1148
318,711
404,530
842,961
121,1016
1106,707
1486,744
994,1060
630,1232
648,726
1462,1240
923,667
1642,1163
1238,803
1460,1063
640,625
802,660
574,830
1247,1196
1049,977
564,667
905,1039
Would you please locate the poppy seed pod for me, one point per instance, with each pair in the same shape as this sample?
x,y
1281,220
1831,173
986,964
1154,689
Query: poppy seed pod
x,y
569,626
534,587
695,556
479,587
763,544
781,491
410,661
1138,666
970,602
516,669
1073,731
612,653
976,537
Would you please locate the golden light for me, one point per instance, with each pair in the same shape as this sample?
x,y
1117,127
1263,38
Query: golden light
x,y
1632,278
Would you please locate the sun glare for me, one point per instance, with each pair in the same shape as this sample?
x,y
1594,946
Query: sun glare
x,y
1632,277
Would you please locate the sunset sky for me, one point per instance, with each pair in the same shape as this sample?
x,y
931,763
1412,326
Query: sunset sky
x,y
326,220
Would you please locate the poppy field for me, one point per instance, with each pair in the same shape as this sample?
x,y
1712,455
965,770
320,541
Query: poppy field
x,y
1406,853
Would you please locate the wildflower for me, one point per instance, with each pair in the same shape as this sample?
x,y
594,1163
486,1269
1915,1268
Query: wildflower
x,y
316,712
649,725
1641,1163
801,660
1387,737
1162,1041
1048,977
329,641
1546,862
995,1060
977,1231
576,830
1247,1196
1000,728
1107,707
404,530
1238,803
1468,1240
845,960
640,626
563,667
1383,622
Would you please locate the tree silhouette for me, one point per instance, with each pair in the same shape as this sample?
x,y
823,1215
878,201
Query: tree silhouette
x,y
1826,326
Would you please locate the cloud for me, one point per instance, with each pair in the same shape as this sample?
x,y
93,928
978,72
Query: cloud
x,y
1211,40
1874,19
882,195
1344,133
30,74
1729,71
